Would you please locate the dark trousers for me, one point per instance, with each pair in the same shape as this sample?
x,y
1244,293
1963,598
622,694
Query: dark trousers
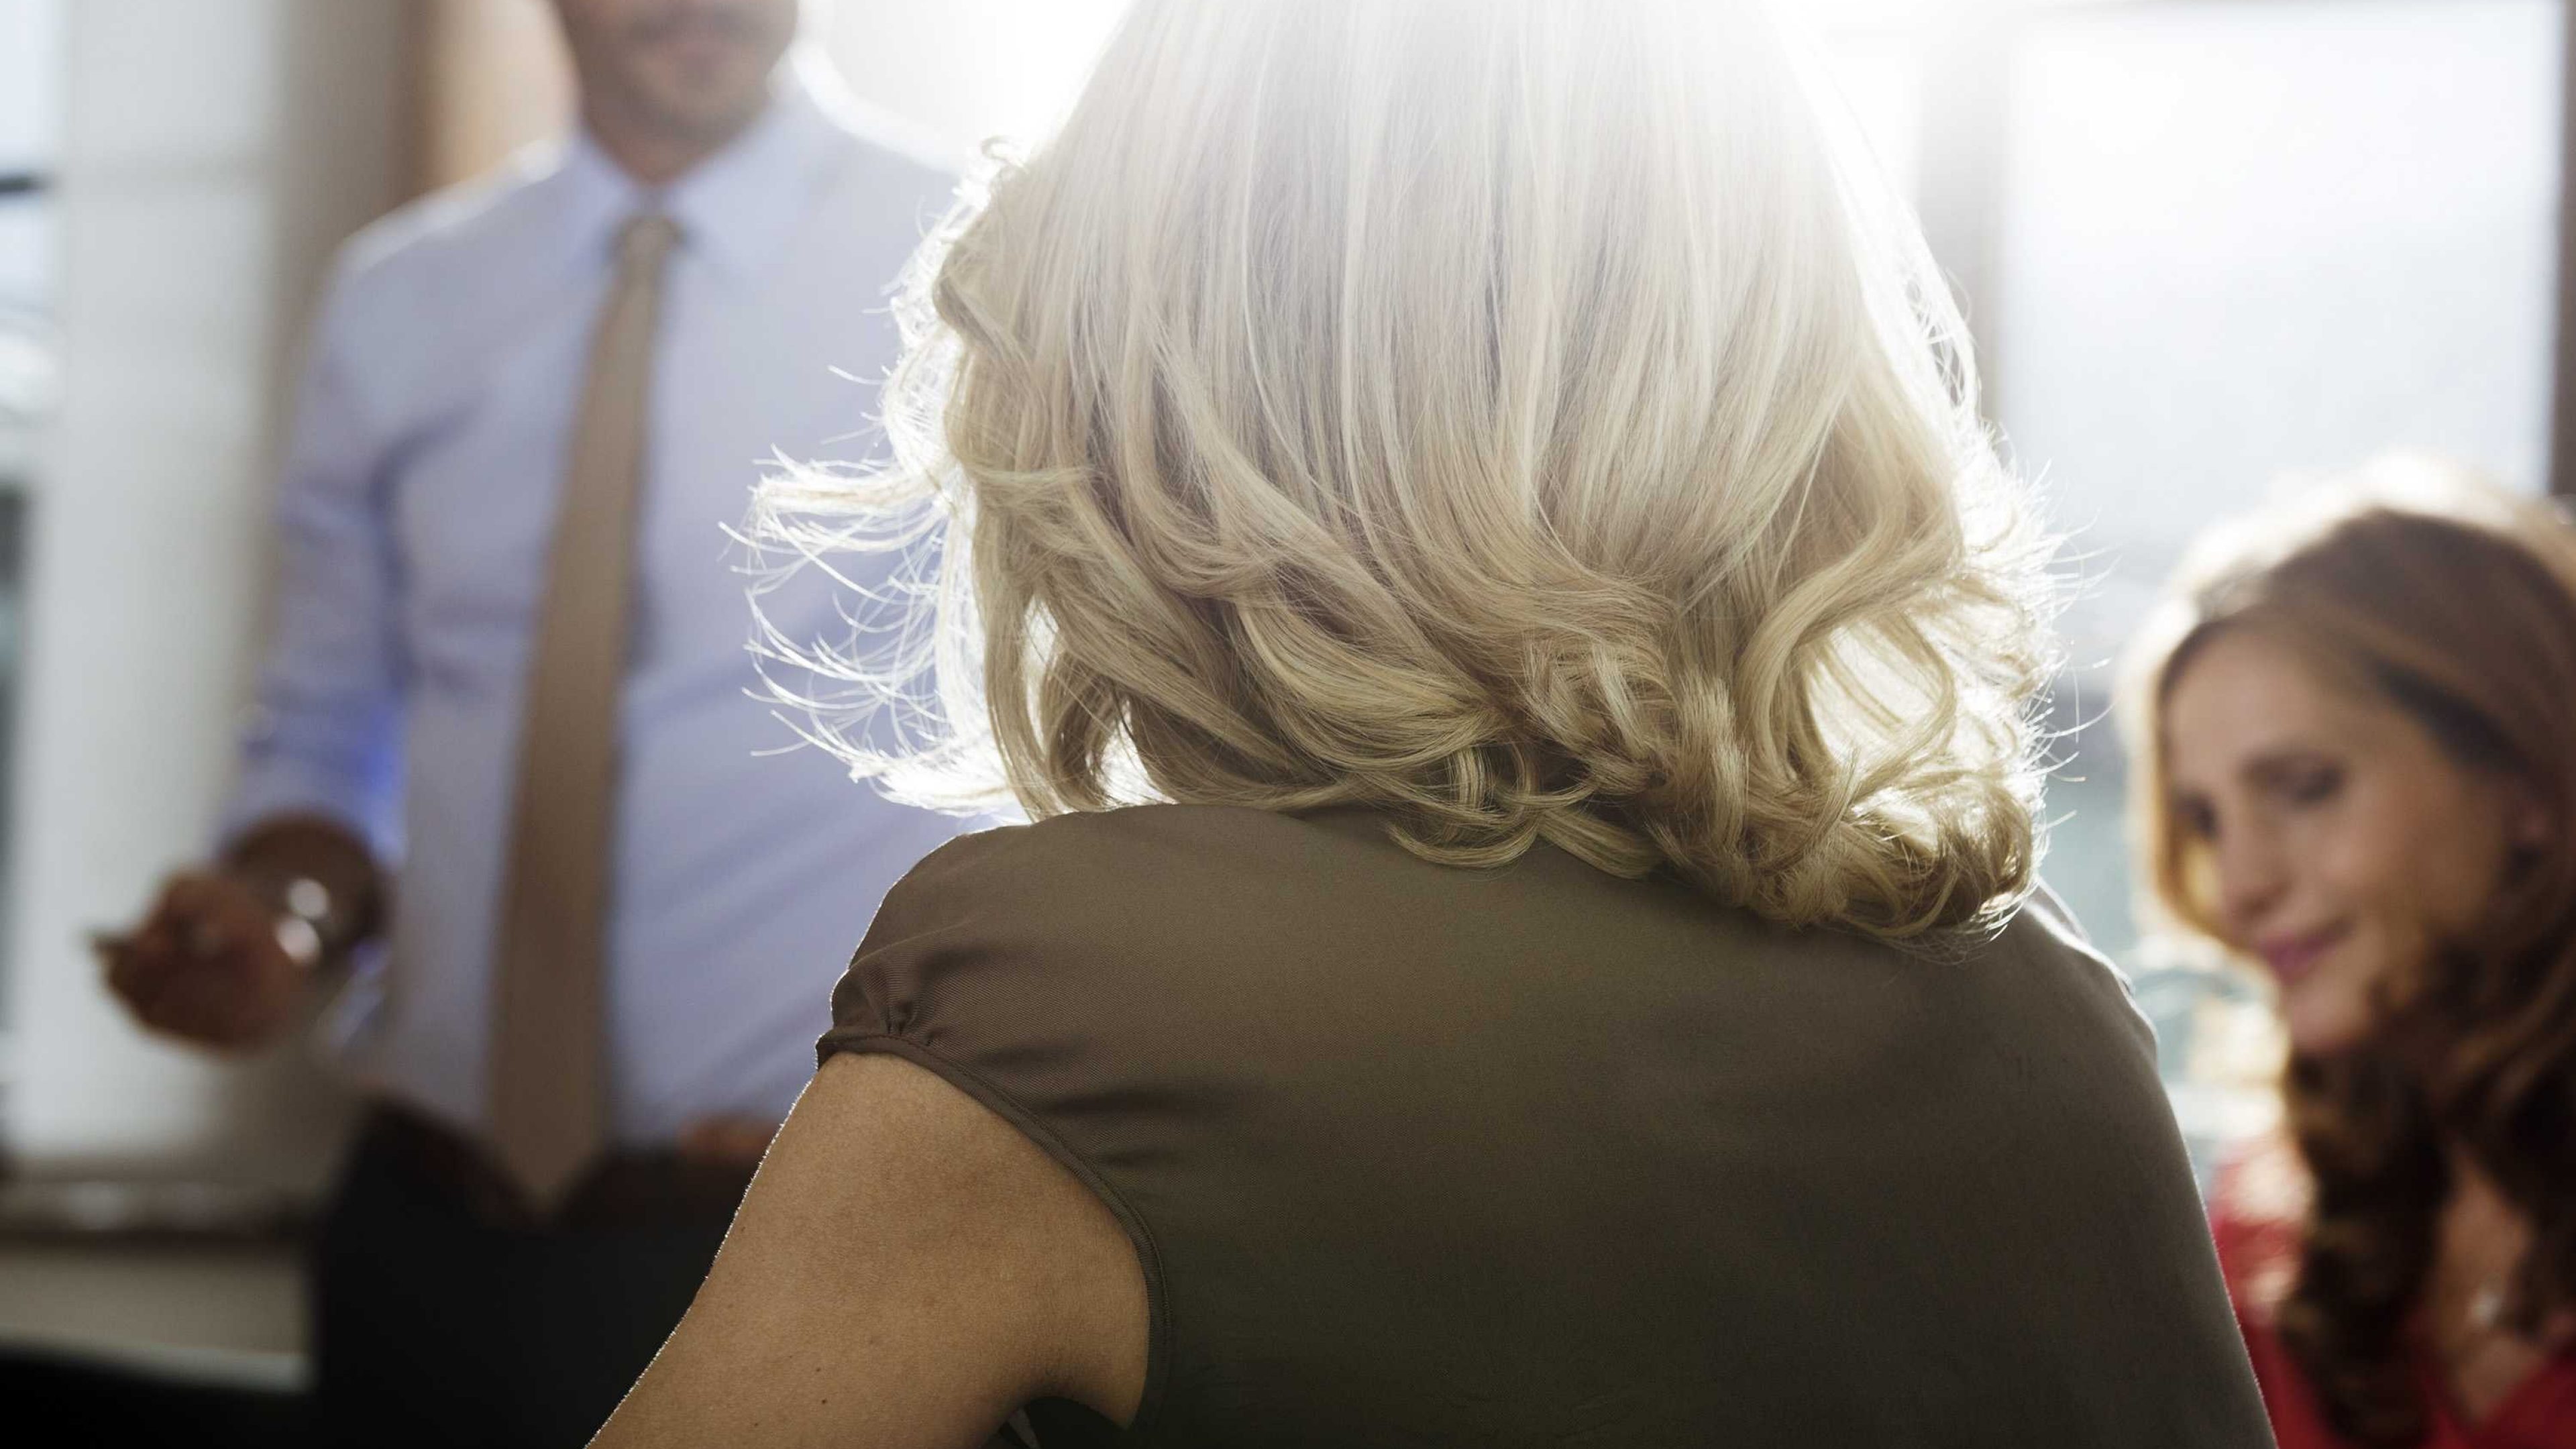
x,y
435,1325
435,1322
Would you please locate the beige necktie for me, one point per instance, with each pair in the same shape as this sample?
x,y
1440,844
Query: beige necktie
x,y
549,1084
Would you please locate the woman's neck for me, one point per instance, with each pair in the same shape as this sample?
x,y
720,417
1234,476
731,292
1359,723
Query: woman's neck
x,y
2480,1236
2479,1241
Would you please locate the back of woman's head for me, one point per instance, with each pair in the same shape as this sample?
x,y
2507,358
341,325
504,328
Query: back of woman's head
x,y
1516,416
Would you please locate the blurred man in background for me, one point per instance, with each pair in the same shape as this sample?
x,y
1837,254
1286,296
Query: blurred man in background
x,y
504,780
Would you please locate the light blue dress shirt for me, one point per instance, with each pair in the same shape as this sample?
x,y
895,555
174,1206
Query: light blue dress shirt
x,y
415,516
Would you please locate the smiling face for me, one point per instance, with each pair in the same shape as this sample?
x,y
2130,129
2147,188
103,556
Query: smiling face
x,y
2335,840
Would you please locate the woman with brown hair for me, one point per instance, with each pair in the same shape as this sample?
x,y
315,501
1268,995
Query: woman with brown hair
x,y
2356,730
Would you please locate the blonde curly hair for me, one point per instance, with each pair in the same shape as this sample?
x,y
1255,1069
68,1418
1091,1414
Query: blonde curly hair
x,y
1520,417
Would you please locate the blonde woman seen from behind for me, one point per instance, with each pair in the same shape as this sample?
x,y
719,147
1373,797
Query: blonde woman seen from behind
x,y
2354,724
1466,526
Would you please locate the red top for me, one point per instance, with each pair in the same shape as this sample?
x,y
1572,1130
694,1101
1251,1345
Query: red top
x,y
2255,1214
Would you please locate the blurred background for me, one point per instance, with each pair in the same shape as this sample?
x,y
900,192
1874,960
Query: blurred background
x,y
2207,245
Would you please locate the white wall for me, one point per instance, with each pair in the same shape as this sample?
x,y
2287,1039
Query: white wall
x,y
967,69
213,154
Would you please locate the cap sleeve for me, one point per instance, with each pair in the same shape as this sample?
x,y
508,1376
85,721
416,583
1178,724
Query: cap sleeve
x,y
927,924
976,969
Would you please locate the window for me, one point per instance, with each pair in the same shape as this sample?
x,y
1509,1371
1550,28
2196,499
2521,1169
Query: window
x,y
29,73
30,70
2208,246
2239,240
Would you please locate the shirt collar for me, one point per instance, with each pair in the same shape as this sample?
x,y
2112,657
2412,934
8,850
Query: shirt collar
x,y
736,207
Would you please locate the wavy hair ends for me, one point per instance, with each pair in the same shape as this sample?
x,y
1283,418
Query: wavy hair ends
x,y
1523,418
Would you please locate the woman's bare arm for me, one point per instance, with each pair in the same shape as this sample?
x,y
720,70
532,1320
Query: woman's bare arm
x,y
907,1270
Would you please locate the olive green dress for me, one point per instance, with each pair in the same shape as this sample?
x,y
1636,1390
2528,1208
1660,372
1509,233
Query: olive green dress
x,y
1425,1156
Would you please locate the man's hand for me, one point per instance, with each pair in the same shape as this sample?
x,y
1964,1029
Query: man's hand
x,y
206,965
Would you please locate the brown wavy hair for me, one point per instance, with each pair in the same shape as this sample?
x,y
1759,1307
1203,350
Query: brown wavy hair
x,y
2455,602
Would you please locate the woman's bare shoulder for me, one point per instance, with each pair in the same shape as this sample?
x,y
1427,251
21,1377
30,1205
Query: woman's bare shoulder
x,y
908,1269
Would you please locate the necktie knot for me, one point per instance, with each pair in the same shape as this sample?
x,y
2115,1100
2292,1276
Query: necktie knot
x,y
644,241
